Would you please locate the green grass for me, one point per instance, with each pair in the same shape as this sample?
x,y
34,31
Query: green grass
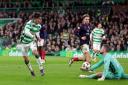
x,y
14,72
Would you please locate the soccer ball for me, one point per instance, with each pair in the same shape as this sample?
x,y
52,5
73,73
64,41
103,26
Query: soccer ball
x,y
85,66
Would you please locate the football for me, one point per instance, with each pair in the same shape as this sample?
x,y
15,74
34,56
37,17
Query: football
x,y
86,66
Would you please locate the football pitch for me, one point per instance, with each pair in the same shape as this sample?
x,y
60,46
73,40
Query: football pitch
x,y
13,71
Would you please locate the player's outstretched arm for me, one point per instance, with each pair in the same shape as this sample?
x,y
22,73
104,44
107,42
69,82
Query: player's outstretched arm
x,y
97,65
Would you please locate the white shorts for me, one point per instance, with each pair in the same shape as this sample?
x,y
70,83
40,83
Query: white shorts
x,y
85,48
41,42
25,48
96,46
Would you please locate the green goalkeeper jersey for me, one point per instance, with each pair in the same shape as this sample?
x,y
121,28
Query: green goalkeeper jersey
x,y
111,65
97,35
29,32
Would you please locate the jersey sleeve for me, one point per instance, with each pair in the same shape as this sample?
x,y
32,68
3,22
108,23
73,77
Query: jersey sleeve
x,y
97,65
82,32
91,35
39,27
28,25
103,33
106,65
76,31
27,31
93,31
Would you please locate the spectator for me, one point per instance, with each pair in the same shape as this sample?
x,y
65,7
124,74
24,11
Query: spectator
x,y
60,29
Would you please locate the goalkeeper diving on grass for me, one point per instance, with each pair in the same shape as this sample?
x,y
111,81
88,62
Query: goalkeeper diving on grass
x,y
112,68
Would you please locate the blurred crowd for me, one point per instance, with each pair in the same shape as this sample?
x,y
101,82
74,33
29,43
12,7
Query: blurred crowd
x,y
56,3
60,27
19,3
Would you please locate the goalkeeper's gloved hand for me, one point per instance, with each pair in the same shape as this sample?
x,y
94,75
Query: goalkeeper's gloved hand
x,y
101,79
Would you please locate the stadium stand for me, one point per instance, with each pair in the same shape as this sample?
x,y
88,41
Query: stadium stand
x,y
62,19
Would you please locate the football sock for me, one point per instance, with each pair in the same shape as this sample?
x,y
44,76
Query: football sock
x,y
43,54
75,59
38,59
28,65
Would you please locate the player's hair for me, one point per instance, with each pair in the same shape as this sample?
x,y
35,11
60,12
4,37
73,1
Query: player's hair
x,y
100,23
107,47
85,15
36,15
97,23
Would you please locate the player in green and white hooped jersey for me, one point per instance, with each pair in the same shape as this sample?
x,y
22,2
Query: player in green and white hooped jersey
x,y
112,68
96,37
29,37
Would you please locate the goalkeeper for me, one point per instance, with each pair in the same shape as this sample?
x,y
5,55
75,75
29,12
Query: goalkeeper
x,y
112,68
